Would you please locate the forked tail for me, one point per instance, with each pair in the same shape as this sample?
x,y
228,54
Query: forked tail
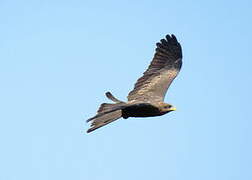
x,y
107,113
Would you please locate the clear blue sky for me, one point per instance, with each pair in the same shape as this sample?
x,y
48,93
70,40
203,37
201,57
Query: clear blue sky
x,y
58,58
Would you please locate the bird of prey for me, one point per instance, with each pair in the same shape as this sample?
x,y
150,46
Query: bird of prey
x,y
147,97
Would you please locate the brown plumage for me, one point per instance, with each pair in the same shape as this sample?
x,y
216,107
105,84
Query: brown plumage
x,y
146,99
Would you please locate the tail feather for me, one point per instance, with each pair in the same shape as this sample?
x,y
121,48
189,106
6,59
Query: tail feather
x,y
106,114
104,120
106,107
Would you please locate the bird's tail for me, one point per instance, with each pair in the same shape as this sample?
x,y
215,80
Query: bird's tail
x,y
107,113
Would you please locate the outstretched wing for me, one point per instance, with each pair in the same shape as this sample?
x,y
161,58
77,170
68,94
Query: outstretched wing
x,y
164,67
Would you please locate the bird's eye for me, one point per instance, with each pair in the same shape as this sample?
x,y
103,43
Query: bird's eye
x,y
168,106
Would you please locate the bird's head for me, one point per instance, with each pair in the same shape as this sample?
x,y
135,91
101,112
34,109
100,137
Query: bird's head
x,y
165,108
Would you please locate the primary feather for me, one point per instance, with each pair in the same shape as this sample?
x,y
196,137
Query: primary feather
x,y
163,69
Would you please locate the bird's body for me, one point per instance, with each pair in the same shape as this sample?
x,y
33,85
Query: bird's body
x,y
146,99
141,110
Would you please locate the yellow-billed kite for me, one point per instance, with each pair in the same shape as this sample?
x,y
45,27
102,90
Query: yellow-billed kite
x,y
147,97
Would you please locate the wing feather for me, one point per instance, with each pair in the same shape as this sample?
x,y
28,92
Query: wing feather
x,y
163,69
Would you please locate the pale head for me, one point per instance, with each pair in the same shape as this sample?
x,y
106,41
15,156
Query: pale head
x,y
165,108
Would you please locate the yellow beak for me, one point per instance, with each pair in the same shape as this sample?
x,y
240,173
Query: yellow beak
x,y
172,109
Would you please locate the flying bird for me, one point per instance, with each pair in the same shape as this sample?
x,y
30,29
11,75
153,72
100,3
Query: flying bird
x,y
147,97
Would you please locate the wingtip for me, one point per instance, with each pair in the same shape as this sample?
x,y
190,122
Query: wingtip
x,y
174,37
112,98
108,93
171,37
168,37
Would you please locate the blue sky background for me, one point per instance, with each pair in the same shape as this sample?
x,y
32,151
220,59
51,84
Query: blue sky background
x,y
58,58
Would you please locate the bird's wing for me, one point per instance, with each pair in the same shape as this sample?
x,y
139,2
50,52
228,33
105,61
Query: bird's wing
x,y
164,67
